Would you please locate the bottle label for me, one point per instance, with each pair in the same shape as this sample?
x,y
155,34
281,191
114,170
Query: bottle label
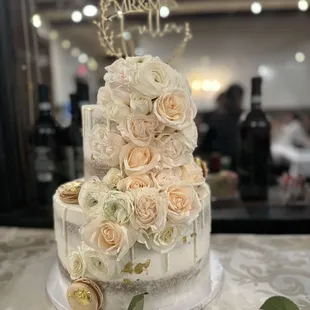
x,y
44,164
45,106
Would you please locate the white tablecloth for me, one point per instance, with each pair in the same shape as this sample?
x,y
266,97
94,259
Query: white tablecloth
x,y
256,267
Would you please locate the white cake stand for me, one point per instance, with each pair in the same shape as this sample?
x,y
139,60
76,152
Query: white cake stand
x,y
56,287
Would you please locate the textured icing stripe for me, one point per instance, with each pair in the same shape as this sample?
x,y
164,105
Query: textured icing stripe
x,y
140,287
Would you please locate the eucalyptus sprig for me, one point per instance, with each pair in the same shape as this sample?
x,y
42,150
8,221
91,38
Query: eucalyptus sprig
x,y
137,303
279,303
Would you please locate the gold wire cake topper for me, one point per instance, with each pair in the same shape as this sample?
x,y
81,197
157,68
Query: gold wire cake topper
x,y
114,41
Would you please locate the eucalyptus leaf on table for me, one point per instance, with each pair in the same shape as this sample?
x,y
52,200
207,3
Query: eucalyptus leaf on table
x,y
137,303
279,303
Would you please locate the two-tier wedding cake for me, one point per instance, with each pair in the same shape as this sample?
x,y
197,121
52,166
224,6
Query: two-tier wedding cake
x,y
140,221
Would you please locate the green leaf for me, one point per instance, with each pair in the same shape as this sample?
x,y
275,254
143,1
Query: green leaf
x,y
279,303
137,303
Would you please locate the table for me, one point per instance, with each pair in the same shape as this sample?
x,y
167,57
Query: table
x,y
256,267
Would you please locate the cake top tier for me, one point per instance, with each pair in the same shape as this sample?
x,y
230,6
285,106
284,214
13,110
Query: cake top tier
x,y
153,189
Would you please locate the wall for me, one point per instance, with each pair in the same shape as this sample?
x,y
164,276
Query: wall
x,y
232,49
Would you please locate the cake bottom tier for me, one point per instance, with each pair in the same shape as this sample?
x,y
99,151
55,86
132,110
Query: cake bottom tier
x,y
194,294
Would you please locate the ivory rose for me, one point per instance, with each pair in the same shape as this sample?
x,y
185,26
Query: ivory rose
x,y
91,195
134,182
108,237
164,177
152,77
117,206
138,160
112,178
190,134
106,145
113,109
182,82
76,265
150,209
140,129
174,150
192,173
140,104
165,240
184,205
175,108
97,265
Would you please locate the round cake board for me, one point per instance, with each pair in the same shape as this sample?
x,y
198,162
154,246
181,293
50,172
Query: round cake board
x,y
56,287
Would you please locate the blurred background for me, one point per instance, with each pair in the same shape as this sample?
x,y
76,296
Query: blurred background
x,y
52,63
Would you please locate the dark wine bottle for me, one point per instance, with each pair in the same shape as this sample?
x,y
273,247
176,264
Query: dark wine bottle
x,y
45,148
254,149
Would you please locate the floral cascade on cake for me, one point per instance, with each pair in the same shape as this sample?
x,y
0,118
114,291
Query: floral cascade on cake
x,y
152,206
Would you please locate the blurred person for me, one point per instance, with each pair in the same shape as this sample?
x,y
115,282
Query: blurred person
x,y
293,132
222,135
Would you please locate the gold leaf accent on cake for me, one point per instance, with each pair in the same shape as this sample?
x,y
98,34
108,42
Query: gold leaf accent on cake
x,y
203,165
128,282
82,296
69,192
92,157
193,234
185,240
139,268
128,268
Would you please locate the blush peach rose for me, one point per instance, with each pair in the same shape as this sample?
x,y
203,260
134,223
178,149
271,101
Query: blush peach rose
x,y
175,108
184,205
108,237
192,173
135,182
138,160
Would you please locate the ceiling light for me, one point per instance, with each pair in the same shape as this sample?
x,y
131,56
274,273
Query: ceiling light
x,y
164,12
303,5
54,35
127,35
206,85
75,52
65,44
300,57
36,21
119,13
83,58
256,8
196,85
92,64
76,16
90,10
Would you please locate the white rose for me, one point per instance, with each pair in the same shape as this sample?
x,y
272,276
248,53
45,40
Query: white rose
x,y
76,265
134,182
138,60
112,108
165,240
118,77
108,237
174,150
117,206
98,265
182,82
204,194
138,160
150,209
175,108
140,129
184,205
152,77
106,145
164,177
112,178
90,197
190,134
140,104
192,173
